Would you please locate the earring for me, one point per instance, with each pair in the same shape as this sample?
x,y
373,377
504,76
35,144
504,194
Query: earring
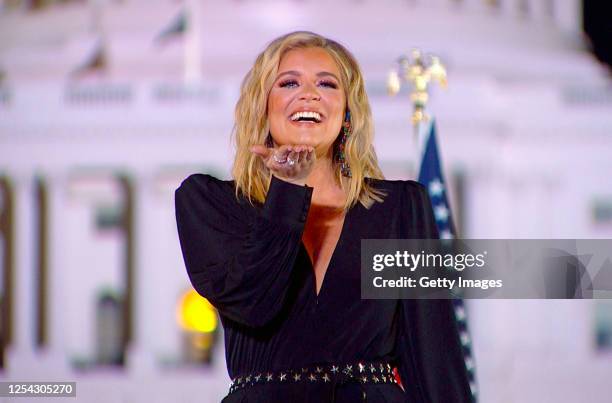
x,y
269,141
345,169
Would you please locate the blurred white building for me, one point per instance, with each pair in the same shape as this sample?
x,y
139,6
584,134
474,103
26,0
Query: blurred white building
x,y
94,91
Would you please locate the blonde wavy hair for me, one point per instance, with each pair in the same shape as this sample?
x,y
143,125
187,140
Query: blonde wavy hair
x,y
251,176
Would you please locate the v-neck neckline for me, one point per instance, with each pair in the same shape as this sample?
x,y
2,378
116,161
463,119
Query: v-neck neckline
x,y
339,242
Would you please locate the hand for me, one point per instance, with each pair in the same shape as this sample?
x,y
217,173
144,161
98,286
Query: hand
x,y
289,163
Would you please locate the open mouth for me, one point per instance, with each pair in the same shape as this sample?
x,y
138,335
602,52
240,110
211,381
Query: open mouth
x,y
313,117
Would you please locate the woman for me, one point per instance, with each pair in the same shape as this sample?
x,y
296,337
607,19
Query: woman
x,y
277,250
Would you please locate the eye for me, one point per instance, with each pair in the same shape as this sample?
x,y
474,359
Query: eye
x,y
288,83
328,84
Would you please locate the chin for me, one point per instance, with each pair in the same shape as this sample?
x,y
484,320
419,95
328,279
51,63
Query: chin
x,y
309,142
306,139
314,140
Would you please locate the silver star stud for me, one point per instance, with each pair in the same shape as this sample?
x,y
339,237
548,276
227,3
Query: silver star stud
x,y
297,377
312,377
269,377
436,187
334,369
372,368
348,370
375,379
361,367
319,370
282,377
257,377
446,234
364,379
441,212
326,378
465,338
460,312
247,379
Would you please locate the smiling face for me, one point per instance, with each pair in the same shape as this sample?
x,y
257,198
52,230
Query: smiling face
x,y
306,103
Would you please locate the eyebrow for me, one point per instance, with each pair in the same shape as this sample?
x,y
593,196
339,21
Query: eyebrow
x,y
297,73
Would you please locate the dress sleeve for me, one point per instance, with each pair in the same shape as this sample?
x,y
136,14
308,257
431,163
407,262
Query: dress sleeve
x,y
241,262
431,361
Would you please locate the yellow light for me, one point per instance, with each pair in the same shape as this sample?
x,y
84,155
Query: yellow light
x,y
196,314
393,83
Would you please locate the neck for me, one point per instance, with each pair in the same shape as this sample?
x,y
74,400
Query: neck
x,y
327,192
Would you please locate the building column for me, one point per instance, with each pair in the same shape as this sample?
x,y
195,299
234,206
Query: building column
x,y
140,357
20,355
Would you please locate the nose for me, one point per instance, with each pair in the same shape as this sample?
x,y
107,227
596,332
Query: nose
x,y
310,93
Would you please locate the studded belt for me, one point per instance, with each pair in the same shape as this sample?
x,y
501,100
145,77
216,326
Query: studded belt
x,y
360,373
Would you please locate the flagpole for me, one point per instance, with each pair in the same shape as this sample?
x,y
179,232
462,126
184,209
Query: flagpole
x,y
416,146
421,130
417,72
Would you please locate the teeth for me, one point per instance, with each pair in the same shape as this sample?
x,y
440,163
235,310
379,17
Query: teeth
x,y
313,115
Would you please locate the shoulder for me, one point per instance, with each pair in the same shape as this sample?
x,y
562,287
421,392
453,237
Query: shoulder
x,y
204,183
407,195
410,199
207,189
399,188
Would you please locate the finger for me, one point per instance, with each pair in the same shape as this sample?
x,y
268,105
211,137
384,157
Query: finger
x,y
283,151
304,150
310,155
279,160
303,155
260,150
280,156
293,158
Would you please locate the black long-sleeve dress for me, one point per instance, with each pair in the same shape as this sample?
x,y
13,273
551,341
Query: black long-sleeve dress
x,y
250,263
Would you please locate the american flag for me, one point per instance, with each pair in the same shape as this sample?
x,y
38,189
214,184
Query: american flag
x,y
431,176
